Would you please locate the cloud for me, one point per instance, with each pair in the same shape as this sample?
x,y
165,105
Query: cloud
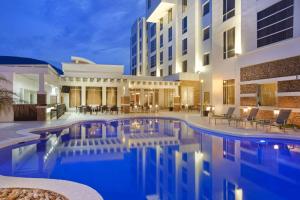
x,y
56,29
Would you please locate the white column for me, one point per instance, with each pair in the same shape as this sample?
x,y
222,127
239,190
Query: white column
x,y
103,95
41,83
83,95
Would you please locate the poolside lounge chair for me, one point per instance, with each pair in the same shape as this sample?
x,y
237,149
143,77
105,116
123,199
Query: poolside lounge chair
x,y
227,116
280,121
250,118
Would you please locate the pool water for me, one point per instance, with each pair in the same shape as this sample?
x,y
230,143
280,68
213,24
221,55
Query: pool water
x,y
155,158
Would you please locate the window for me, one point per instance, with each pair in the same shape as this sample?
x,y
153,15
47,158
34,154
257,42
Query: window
x,y
170,31
161,23
149,4
206,59
170,53
229,43
161,72
170,70
184,25
275,23
205,9
184,66
206,34
153,73
229,92
170,15
153,61
153,30
161,57
228,9
267,94
184,46
184,5
153,45
228,190
161,41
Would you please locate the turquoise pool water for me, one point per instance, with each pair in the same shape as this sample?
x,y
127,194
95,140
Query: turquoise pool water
x,y
155,158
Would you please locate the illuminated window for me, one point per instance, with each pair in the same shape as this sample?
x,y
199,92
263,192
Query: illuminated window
x,y
184,5
170,15
228,9
229,92
229,43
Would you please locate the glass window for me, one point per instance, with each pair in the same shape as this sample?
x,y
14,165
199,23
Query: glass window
x,y
229,43
153,45
206,33
111,96
153,73
184,46
275,23
161,72
170,53
184,66
153,30
161,41
184,5
170,69
229,92
205,9
161,57
184,25
228,9
75,97
93,96
170,33
153,61
161,23
170,15
206,59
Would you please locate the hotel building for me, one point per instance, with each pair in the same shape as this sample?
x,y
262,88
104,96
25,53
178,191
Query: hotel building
x,y
246,53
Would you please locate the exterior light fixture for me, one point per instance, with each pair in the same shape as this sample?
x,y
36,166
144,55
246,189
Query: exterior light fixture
x,y
276,112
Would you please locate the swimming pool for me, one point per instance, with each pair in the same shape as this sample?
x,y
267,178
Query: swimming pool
x,y
156,158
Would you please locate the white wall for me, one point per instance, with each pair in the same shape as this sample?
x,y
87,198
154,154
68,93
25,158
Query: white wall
x,y
7,115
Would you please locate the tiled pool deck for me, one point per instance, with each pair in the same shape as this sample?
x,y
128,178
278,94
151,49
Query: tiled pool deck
x,y
14,133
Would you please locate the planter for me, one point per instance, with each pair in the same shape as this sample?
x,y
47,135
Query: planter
x,y
170,108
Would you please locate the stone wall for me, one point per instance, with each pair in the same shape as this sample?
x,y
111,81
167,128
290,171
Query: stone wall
x,y
248,101
289,86
278,68
289,102
248,88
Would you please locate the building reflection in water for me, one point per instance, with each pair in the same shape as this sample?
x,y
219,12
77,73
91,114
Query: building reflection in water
x,y
171,160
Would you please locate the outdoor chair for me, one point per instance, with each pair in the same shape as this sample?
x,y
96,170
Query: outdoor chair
x,y
104,109
280,121
250,118
226,116
114,109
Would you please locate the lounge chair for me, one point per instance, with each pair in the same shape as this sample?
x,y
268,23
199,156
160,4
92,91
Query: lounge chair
x,y
227,116
280,121
250,118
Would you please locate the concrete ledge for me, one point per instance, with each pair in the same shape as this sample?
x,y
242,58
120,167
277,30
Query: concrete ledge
x,y
71,190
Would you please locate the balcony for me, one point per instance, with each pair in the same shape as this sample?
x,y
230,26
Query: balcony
x,y
158,9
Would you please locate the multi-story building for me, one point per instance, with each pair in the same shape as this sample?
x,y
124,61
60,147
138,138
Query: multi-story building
x,y
226,44
138,48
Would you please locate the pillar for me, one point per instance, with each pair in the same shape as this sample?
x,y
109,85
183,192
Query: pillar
x,y
41,99
103,95
125,99
83,95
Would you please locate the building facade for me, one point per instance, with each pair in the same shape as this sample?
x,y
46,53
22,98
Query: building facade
x,y
138,48
235,53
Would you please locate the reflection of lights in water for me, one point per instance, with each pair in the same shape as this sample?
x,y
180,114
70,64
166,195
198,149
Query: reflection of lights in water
x,y
262,141
136,125
276,146
123,140
156,121
238,194
198,156
52,148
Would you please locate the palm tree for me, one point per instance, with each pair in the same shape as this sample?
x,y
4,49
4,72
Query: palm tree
x,y
6,97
